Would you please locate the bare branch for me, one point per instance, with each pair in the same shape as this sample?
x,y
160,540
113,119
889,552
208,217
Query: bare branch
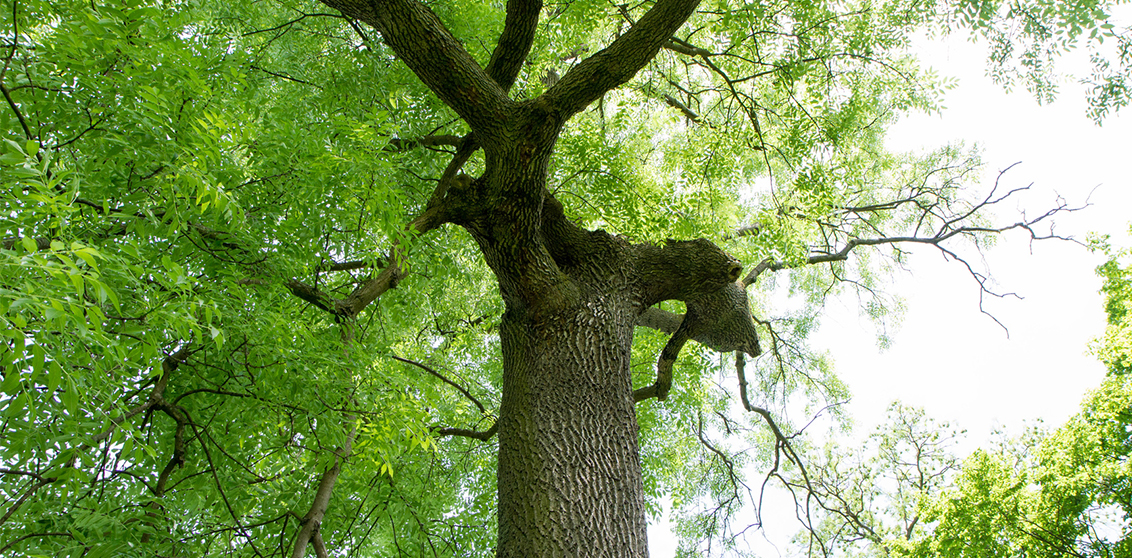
x,y
481,436
441,377
947,226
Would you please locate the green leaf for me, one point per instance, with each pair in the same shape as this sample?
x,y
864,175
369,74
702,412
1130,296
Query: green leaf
x,y
88,255
54,376
11,384
71,398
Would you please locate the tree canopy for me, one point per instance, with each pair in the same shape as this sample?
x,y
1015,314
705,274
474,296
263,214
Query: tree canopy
x,y
265,264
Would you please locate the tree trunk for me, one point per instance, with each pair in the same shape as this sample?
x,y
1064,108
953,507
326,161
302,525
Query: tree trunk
x,y
569,476
569,473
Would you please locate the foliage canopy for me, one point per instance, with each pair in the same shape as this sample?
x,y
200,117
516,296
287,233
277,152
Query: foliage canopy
x,y
205,210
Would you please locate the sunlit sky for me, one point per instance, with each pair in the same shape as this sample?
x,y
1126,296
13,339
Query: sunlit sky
x,y
947,357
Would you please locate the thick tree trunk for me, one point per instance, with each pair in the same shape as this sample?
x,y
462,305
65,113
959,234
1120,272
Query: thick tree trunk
x,y
569,472
569,476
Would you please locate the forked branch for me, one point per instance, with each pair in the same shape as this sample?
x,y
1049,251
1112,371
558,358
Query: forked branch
x,y
936,224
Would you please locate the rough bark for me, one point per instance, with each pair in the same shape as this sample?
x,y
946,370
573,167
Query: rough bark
x,y
569,476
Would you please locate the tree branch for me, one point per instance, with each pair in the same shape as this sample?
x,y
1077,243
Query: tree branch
x,y
515,42
41,242
475,435
948,225
312,295
419,38
312,521
393,273
720,320
441,377
400,144
682,270
621,60
664,364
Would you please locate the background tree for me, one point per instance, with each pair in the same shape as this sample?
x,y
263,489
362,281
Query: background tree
x,y
208,207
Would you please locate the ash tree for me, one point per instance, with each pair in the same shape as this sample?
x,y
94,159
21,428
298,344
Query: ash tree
x,y
368,278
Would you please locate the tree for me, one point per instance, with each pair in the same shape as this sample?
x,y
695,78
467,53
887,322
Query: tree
x,y
872,497
230,292
1062,493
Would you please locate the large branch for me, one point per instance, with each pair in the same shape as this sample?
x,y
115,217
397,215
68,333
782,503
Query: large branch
x,y
312,521
682,270
506,60
389,277
515,42
620,61
420,39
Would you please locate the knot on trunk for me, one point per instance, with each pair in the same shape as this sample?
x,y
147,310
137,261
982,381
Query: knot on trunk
x,y
721,320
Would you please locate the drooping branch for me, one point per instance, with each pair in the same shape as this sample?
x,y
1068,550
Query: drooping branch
x,y
782,448
720,320
445,431
156,396
16,108
718,313
664,364
155,400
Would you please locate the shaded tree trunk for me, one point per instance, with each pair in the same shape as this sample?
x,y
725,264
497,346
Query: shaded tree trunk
x,y
569,474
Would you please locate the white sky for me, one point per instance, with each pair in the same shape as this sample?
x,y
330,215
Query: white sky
x,y
947,357
950,359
